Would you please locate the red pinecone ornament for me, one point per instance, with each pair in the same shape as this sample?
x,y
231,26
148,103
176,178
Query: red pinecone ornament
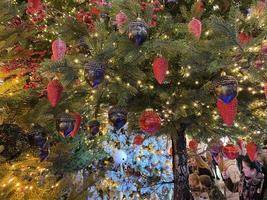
x,y
227,111
231,151
150,122
193,144
160,67
54,91
77,124
252,151
195,28
138,140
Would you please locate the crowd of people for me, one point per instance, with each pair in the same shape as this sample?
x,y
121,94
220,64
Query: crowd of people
x,y
218,177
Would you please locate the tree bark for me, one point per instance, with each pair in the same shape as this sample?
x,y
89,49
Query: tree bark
x,y
180,168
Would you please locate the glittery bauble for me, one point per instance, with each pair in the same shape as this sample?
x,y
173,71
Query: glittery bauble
x,y
94,126
226,89
138,31
65,124
94,73
150,122
119,157
230,151
117,117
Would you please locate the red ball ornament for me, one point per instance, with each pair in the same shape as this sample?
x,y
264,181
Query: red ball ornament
x,y
230,151
150,122
227,111
195,28
54,91
59,49
160,67
252,151
244,38
138,140
77,117
193,144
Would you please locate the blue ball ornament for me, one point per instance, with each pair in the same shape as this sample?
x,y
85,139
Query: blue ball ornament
x,y
94,73
117,117
138,32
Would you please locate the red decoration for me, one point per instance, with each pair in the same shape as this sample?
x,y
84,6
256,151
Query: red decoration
x,y
244,38
150,122
87,18
265,90
193,144
36,10
59,49
231,151
227,111
77,124
252,151
34,6
54,91
198,9
160,67
195,28
138,140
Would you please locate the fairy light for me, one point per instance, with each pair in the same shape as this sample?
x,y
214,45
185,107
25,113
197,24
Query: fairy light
x,y
76,60
196,82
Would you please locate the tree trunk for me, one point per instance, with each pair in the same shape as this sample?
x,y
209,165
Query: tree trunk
x,y
180,169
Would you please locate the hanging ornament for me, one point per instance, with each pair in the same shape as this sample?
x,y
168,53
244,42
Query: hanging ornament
x,y
259,63
65,124
120,20
83,46
160,68
77,118
226,89
265,90
259,9
119,157
244,38
94,127
138,31
230,151
198,9
264,49
54,91
252,151
193,144
117,116
40,139
150,122
59,49
195,28
227,111
94,73
138,140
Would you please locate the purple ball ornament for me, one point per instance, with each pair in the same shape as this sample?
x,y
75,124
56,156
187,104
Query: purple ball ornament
x,y
138,31
226,88
94,73
258,63
264,49
65,124
39,138
117,116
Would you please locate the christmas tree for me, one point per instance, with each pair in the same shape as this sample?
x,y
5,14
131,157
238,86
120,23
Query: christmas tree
x,y
199,66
